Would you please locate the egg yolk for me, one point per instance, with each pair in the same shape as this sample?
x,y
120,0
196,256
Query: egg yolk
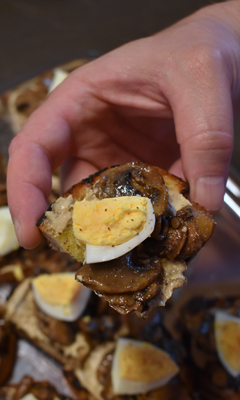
x,y
57,289
228,342
109,222
145,363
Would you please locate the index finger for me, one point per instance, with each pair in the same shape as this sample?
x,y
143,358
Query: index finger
x,y
40,147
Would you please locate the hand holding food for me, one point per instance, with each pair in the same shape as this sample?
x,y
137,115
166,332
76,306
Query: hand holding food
x,y
157,99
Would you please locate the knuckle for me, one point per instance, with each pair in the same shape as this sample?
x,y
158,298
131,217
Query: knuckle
x,y
213,139
214,146
203,60
208,152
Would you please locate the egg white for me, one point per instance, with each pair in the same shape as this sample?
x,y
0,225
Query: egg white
x,y
64,313
95,254
8,239
29,396
221,318
123,386
59,76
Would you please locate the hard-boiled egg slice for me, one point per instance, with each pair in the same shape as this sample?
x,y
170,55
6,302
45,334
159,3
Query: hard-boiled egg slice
x,y
112,227
60,296
139,367
58,77
227,336
8,239
29,396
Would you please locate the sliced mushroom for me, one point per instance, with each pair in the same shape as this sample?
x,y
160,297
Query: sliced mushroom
x,y
193,241
134,179
204,221
124,274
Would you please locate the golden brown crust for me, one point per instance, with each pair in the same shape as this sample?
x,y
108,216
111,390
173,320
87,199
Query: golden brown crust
x,y
174,182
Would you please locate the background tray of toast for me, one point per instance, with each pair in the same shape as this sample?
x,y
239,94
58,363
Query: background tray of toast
x,y
214,272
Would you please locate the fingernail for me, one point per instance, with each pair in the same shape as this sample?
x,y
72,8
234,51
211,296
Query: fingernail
x,y
18,229
209,192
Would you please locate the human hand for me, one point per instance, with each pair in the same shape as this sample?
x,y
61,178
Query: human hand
x,y
165,100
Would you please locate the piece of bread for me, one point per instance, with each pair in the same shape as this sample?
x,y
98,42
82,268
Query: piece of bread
x,y
181,229
96,373
20,310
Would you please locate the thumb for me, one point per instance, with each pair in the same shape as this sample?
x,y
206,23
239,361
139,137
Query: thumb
x,y
204,129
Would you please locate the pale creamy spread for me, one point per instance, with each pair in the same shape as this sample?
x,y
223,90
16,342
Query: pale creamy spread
x,y
90,196
78,347
177,201
61,213
173,277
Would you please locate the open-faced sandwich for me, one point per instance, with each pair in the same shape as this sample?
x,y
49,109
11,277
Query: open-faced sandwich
x,y
147,364
210,332
50,324
132,229
61,317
